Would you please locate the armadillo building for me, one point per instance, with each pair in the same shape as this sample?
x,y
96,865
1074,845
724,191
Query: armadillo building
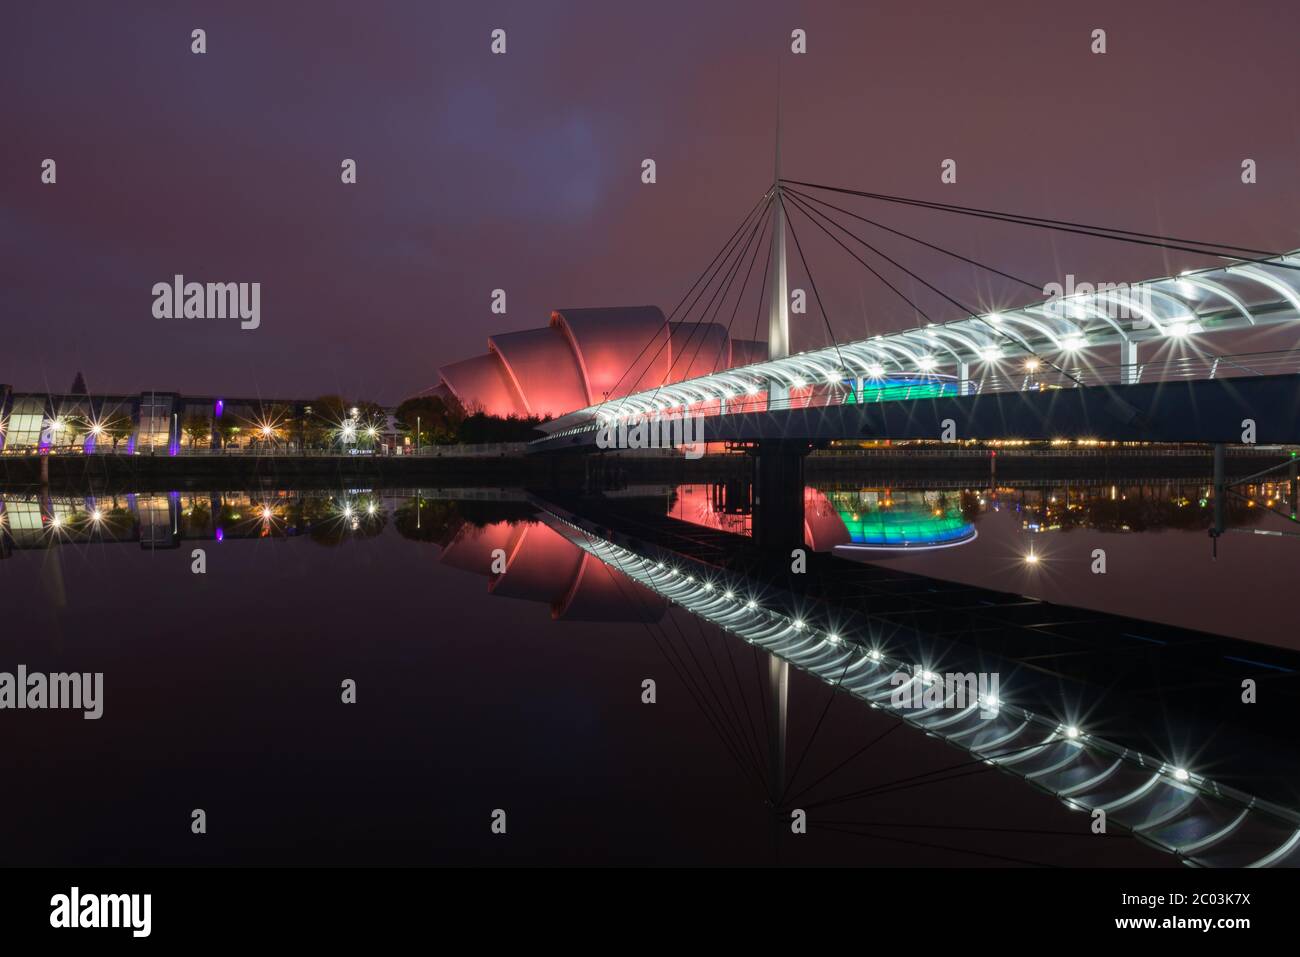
x,y
585,356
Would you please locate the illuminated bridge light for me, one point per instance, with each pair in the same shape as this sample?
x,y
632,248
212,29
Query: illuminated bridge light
x,y
1180,774
1072,732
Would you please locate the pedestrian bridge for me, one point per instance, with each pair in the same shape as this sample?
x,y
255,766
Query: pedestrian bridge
x,y
1030,372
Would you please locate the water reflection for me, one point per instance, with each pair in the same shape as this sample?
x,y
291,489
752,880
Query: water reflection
x,y
883,519
504,571
162,520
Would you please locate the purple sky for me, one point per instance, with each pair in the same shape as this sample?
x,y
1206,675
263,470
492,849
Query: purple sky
x,y
522,171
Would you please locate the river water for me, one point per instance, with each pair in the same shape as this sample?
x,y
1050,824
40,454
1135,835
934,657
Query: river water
x,y
479,691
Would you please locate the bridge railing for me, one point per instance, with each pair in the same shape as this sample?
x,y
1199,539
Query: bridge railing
x,y
1032,376
999,377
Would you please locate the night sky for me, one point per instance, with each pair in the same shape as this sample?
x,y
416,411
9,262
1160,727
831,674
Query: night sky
x,y
522,171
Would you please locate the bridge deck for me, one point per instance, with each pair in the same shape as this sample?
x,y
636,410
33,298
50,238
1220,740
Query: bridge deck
x,y
1208,410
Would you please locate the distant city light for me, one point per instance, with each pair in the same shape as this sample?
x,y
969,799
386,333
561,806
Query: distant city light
x,y
1031,559
1031,365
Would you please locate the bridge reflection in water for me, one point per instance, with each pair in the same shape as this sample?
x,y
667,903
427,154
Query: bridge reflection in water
x,y
1203,821
1057,749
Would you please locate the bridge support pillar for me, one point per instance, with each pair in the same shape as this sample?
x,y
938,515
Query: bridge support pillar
x,y
1220,494
1128,362
778,517
778,684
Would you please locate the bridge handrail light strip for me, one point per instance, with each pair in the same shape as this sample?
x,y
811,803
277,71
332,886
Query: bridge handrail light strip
x,y
865,672
1191,305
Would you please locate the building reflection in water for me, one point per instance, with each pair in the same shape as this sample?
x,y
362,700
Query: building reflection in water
x,y
532,562
162,520
853,519
858,522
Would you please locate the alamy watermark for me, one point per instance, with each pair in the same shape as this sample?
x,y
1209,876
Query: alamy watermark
x,y
958,690
75,910
1110,300
77,691
179,299
685,432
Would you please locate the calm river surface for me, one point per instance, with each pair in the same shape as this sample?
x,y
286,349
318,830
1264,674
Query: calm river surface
x,y
523,691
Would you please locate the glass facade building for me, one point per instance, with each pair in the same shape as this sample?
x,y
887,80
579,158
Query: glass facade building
x,y
150,423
